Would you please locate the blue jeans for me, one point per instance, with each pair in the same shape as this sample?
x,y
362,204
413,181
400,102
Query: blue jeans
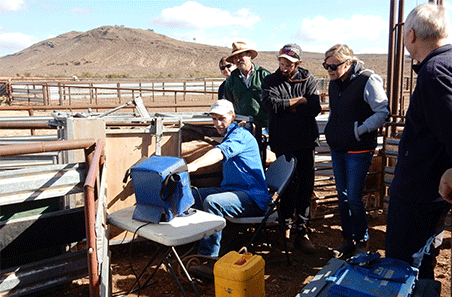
x,y
350,172
222,203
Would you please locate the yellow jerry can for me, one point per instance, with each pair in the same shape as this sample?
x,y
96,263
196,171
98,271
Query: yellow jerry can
x,y
239,275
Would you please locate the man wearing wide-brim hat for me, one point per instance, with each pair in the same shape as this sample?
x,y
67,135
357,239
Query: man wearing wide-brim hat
x,y
243,87
239,47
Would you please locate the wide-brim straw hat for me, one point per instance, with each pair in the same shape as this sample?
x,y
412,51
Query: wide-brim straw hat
x,y
240,47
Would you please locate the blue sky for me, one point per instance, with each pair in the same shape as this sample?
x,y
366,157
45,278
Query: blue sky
x,y
265,25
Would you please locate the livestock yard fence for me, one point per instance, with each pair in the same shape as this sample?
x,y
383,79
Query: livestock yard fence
x,y
108,93
66,92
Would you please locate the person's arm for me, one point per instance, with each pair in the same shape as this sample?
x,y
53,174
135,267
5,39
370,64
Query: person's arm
x,y
445,186
436,103
213,156
275,102
375,96
309,103
294,102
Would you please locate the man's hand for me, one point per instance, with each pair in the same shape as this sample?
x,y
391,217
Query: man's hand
x,y
191,167
242,124
445,186
294,102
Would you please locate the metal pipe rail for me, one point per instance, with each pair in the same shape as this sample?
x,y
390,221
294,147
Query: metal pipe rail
x,y
95,159
42,147
94,156
44,92
33,108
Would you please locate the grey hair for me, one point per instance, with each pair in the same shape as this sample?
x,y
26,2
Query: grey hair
x,y
428,21
342,52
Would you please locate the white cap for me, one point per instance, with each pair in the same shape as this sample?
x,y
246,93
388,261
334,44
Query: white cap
x,y
222,107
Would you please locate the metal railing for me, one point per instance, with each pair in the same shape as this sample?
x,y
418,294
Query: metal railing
x,y
51,93
63,92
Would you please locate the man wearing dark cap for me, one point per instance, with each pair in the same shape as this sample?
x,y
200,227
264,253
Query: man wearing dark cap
x,y
291,97
243,87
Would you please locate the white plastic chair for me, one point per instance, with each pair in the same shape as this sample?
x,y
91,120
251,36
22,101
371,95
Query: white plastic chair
x,y
278,176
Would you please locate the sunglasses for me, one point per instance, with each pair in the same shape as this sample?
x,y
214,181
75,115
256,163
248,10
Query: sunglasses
x,y
225,66
289,52
332,66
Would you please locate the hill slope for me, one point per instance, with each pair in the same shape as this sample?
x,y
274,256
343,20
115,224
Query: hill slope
x,y
113,50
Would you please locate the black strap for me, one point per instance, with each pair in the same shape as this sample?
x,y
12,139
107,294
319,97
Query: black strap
x,y
127,174
170,182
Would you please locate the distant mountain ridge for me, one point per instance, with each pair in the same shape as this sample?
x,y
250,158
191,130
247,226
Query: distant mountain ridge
x,y
122,51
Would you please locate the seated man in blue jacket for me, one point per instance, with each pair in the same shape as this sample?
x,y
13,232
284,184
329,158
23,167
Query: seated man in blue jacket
x,y
243,191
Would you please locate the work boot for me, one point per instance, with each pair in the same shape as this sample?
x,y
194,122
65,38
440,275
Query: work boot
x,y
346,247
204,273
304,244
361,248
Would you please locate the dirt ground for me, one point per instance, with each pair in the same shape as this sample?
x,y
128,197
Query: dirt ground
x,y
280,279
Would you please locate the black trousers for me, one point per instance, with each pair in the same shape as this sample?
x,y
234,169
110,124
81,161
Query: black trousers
x,y
414,233
296,200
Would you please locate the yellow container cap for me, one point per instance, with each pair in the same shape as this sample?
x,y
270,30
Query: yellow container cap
x,y
238,267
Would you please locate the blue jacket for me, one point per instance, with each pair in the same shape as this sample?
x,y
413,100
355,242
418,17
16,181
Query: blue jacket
x,y
242,166
425,149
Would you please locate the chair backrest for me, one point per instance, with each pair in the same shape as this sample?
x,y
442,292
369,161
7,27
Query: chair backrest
x,y
279,173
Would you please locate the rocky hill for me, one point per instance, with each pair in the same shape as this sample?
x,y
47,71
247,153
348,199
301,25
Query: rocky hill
x,y
116,51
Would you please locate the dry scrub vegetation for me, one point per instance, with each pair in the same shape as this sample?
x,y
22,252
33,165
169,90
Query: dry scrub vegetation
x,y
120,52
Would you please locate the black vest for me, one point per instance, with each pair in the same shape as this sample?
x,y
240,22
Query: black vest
x,y
346,108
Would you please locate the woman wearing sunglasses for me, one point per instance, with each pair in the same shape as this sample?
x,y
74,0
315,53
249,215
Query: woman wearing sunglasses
x,y
225,68
358,107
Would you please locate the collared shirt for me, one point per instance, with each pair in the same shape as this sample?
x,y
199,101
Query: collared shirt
x,y
247,78
248,100
242,166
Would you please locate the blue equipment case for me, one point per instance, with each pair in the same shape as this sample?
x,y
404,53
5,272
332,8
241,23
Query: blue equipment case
x,y
162,189
320,284
374,277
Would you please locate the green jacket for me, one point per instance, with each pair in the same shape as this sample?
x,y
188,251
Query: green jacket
x,y
248,101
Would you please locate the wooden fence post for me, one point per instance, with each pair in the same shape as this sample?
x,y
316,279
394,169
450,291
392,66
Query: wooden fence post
x,y
91,93
60,94
118,85
69,94
9,92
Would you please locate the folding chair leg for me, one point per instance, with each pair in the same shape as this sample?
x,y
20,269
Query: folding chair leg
x,y
259,228
170,267
192,283
148,280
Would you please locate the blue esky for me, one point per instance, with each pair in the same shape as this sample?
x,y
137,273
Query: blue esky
x,y
316,25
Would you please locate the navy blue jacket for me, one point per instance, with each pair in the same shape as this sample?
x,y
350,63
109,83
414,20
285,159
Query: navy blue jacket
x,y
425,149
347,109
